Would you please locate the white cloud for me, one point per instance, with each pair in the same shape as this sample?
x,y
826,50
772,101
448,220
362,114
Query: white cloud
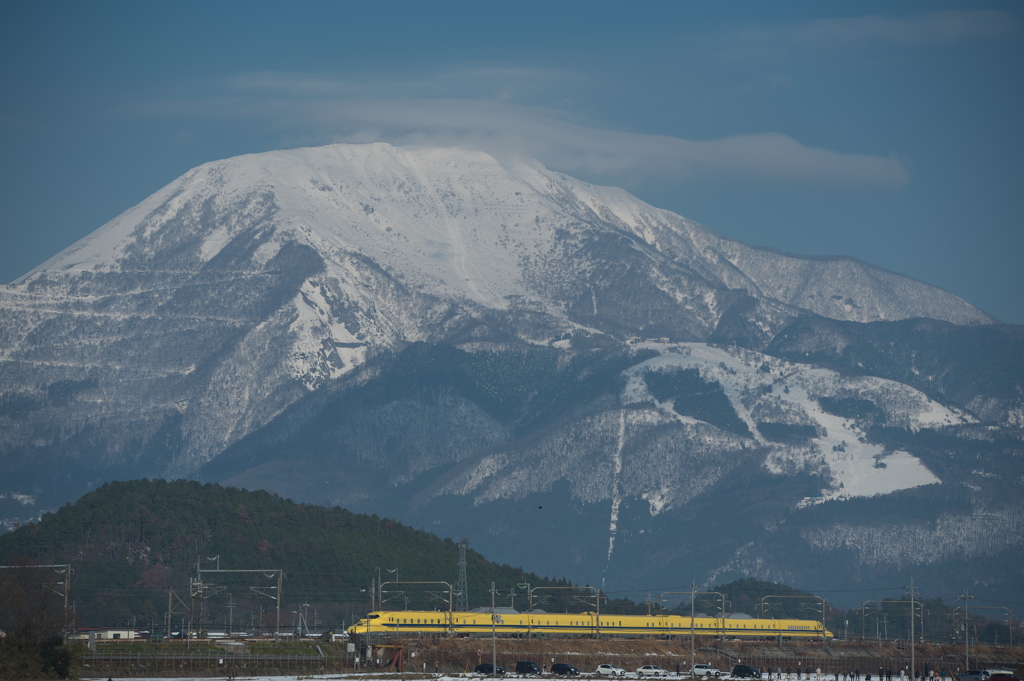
x,y
937,29
320,109
478,81
610,155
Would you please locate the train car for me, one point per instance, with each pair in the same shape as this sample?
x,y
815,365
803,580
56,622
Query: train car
x,y
392,623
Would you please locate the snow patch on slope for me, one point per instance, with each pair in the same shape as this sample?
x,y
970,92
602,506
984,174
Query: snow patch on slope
x,y
214,243
323,347
613,524
840,450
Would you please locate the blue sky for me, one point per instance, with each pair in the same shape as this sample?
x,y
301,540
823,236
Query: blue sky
x,y
891,132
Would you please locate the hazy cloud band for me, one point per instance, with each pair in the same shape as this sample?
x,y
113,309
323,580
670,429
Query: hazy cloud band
x,y
936,29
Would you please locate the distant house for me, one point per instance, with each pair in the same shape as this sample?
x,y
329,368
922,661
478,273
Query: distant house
x,y
99,634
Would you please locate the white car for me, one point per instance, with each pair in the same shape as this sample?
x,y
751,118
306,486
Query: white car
x,y
651,670
610,670
705,670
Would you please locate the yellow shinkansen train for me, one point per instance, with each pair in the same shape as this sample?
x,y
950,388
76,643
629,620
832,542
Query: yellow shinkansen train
x,y
390,623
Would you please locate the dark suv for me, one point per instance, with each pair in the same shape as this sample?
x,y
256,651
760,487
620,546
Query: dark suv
x,y
487,669
528,668
745,671
564,670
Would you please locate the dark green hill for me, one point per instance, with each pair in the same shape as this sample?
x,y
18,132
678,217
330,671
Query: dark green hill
x,y
132,544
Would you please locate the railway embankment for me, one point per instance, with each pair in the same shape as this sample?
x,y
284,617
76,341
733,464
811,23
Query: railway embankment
x,y
793,658
429,657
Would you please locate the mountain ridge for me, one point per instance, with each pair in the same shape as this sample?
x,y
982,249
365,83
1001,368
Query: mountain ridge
x,y
257,297
604,203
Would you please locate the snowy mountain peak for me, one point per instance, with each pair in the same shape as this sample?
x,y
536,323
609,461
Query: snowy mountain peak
x,y
459,222
317,259
259,318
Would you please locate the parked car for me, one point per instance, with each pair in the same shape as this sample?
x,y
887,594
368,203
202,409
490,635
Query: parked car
x,y
745,671
560,669
651,670
973,675
610,670
703,670
528,668
487,669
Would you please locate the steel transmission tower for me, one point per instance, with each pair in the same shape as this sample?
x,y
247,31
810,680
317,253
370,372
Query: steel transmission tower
x,y
462,586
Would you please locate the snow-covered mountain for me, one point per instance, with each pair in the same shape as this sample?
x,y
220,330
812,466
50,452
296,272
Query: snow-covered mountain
x,y
245,301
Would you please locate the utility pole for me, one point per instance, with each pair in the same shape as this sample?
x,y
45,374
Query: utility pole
x,y
268,573
170,612
494,634
63,568
195,591
967,629
380,594
913,614
280,578
67,588
231,612
692,632
764,598
462,586
529,600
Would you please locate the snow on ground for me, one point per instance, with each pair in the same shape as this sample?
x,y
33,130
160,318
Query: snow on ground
x,y
294,677
368,676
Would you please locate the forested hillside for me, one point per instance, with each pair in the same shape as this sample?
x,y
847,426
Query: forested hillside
x,y
133,545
